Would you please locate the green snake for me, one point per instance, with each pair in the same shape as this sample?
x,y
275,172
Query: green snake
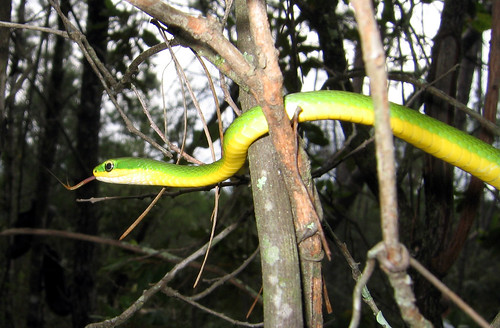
x,y
432,136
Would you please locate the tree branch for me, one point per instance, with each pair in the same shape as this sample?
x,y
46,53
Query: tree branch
x,y
392,255
204,35
160,285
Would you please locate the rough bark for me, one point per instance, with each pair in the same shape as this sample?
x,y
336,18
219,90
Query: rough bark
x,y
269,94
281,277
279,257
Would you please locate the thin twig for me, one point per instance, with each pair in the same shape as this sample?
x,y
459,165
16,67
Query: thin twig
x,y
173,293
148,293
421,84
250,310
373,54
220,281
178,70
227,12
213,218
143,214
393,256
64,34
319,226
356,273
146,112
185,81
227,95
155,127
173,193
358,291
148,252
103,74
216,100
449,293
214,46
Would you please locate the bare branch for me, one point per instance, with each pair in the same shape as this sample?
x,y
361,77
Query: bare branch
x,y
449,293
392,255
64,34
148,293
204,35
173,293
219,282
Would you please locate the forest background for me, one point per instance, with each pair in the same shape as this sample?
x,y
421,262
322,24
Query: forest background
x,y
82,81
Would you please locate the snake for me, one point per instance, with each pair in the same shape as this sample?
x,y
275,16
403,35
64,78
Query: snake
x,y
430,135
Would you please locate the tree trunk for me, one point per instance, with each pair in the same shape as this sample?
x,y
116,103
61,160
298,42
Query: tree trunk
x,y
88,115
279,257
469,205
5,9
46,155
438,176
5,15
324,21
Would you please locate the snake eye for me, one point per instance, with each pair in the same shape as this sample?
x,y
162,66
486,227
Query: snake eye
x,y
108,166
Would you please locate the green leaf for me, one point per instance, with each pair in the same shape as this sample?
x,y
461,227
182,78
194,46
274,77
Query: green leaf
x,y
482,21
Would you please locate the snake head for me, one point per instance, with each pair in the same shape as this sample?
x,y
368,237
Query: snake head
x,y
125,170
